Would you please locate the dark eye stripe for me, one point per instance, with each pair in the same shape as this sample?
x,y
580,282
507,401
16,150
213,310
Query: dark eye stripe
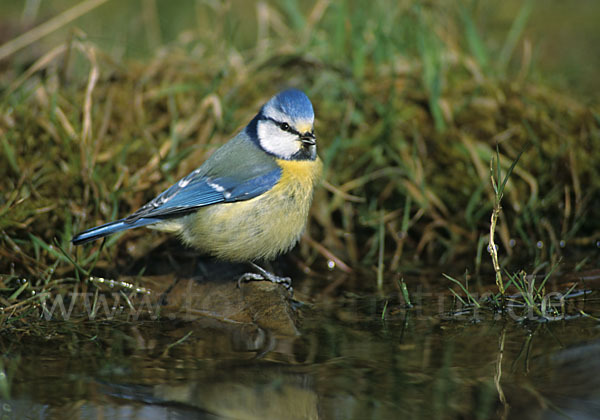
x,y
283,125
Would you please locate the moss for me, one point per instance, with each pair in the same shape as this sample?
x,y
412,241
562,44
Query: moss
x,y
407,120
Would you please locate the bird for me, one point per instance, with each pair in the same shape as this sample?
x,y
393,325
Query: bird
x,y
250,200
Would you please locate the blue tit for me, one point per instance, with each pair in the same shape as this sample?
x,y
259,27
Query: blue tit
x,y
250,199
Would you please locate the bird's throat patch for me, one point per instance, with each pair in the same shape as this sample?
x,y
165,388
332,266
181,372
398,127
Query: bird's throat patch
x,y
304,172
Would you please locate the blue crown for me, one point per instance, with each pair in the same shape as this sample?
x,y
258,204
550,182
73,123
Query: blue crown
x,y
293,102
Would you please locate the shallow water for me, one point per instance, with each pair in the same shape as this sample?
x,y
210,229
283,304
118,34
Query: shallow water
x,y
435,359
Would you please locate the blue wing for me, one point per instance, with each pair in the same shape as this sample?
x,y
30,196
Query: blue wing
x,y
196,190
237,171
187,195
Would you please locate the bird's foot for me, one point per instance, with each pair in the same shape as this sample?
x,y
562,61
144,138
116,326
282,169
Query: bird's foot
x,y
265,275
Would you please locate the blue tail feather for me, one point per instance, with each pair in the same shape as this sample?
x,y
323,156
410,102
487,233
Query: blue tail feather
x,y
108,229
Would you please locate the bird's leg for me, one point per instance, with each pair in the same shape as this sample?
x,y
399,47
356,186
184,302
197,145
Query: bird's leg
x,y
265,275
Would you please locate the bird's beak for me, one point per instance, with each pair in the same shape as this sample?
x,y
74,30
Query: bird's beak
x,y
308,139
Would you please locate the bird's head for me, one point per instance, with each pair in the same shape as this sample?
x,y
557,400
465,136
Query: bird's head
x,y
285,126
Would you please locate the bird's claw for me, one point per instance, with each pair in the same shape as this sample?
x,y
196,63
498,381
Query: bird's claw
x,y
266,275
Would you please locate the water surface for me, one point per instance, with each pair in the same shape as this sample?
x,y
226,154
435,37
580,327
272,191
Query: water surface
x,y
435,359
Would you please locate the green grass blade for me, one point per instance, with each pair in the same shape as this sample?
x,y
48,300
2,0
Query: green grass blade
x,y
10,154
474,41
514,34
510,169
464,289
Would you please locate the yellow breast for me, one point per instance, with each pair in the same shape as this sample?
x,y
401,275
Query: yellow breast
x,y
259,228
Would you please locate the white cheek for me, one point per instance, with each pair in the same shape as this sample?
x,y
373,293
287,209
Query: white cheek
x,y
276,141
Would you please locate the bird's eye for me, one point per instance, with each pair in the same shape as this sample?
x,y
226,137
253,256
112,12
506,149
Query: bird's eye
x,y
284,126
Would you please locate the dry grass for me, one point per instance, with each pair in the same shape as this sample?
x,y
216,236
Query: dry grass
x,y
409,115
